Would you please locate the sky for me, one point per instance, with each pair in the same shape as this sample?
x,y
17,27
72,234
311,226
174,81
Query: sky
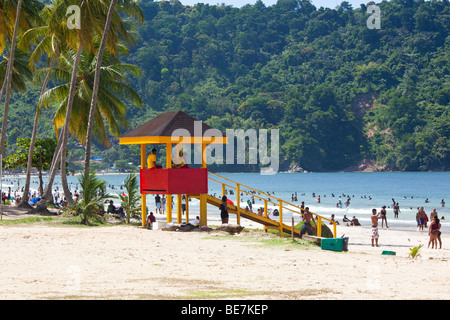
x,y
239,3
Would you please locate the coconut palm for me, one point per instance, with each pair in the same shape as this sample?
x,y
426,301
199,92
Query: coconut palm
x,y
131,198
46,43
92,17
93,195
21,20
21,72
131,8
111,89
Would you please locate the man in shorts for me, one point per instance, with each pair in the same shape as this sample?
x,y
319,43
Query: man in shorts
x,y
158,203
374,219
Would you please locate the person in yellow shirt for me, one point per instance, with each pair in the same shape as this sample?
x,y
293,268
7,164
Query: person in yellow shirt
x,y
151,160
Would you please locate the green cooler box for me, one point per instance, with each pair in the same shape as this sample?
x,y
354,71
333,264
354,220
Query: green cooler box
x,y
335,244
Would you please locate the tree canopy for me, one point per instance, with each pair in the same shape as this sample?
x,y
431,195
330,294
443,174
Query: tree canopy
x,y
339,92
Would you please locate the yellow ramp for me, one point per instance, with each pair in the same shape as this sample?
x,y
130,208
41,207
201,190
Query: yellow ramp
x,y
282,205
250,215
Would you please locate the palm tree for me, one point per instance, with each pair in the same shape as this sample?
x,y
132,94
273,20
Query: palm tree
x,y
21,72
48,44
9,72
93,195
138,13
22,21
130,200
111,90
92,14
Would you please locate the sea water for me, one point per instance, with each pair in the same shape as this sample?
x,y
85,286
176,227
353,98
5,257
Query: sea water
x,y
364,190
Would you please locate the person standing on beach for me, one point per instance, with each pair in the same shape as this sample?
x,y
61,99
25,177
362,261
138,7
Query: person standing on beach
x,y
433,214
163,204
421,216
383,216
433,232
306,227
224,210
158,203
396,210
374,219
183,204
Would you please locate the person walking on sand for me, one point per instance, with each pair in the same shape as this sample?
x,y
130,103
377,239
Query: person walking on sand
x,y
374,219
224,210
433,232
307,217
383,216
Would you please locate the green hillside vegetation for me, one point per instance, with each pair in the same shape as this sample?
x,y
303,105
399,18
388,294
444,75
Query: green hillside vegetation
x,y
339,92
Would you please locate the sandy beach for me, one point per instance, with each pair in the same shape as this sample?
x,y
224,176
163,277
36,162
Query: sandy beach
x,y
45,261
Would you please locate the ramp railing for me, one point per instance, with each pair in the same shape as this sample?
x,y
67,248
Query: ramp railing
x,y
280,204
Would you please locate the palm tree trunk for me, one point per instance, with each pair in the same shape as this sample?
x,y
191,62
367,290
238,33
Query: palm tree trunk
x,y
101,51
64,183
65,136
3,90
9,73
61,152
24,203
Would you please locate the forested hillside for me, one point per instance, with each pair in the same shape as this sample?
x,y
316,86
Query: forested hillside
x,y
339,92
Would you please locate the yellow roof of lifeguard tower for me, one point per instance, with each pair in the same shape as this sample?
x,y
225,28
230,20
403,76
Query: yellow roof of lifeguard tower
x,y
161,129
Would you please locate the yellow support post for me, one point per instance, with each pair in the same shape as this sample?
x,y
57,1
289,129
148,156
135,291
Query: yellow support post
x,y
223,189
280,209
319,227
238,204
203,203
169,196
179,219
169,208
187,208
265,213
334,229
143,196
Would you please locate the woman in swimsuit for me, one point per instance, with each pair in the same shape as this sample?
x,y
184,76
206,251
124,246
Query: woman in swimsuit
x,y
433,232
383,216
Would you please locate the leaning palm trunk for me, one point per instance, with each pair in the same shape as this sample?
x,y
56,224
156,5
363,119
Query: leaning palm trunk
x,y
24,202
61,151
96,85
65,136
9,73
3,90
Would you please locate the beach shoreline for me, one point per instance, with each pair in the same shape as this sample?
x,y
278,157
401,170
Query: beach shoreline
x,y
41,261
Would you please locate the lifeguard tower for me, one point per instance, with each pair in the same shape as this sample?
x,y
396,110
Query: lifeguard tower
x,y
169,128
177,127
